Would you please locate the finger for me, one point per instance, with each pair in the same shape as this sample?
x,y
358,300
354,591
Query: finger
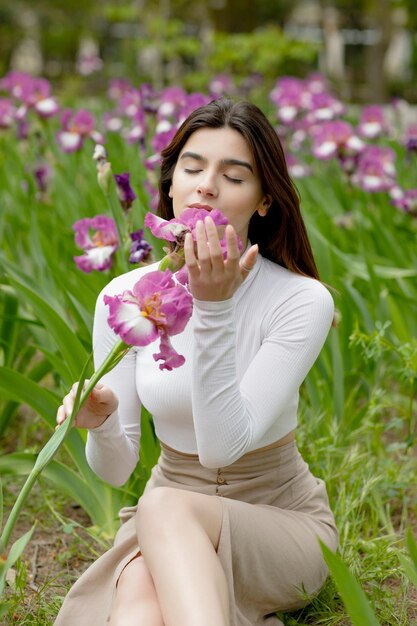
x,y
61,415
203,252
68,404
189,255
215,250
248,262
232,248
101,395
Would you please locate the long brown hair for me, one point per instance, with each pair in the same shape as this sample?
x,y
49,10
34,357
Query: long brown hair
x,y
281,234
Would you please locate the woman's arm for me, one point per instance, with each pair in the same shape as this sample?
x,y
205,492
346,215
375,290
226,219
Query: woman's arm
x,y
231,418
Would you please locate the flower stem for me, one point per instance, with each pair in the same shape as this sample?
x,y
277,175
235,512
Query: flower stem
x,y
118,217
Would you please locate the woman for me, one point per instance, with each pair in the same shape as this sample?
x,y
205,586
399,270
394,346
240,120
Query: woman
x,y
227,530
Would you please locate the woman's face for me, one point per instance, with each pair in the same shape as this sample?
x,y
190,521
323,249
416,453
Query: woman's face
x,y
216,170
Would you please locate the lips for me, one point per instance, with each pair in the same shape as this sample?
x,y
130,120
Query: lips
x,y
197,205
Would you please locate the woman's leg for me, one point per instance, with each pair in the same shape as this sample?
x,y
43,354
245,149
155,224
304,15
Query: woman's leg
x,y
136,601
178,533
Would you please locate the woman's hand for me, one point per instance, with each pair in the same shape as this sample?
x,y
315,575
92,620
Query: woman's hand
x,y
211,277
96,409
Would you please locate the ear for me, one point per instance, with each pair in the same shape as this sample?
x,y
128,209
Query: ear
x,y
170,192
263,207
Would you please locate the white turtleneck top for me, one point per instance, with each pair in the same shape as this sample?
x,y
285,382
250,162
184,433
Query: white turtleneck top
x,y
238,390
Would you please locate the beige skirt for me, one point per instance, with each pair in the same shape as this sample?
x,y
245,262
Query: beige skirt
x,y
274,513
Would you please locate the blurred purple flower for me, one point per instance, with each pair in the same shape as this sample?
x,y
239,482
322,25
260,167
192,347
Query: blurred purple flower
x,y
42,173
221,84
156,307
163,138
76,127
295,167
372,122
118,87
140,249
130,103
137,131
7,113
316,82
89,62
100,247
335,138
112,122
171,99
33,93
323,107
410,138
408,202
290,97
192,101
375,169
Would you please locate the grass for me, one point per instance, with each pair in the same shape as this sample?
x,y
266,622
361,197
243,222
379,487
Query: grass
x,y
371,483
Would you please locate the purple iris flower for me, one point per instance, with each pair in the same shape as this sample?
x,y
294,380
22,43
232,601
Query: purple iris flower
x,y
99,247
140,250
372,122
157,307
125,192
76,127
408,202
175,229
322,107
335,138
130,103
137,131
375,169
290,97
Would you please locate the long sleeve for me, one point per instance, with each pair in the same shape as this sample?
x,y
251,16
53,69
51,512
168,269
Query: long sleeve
x,y
113,448
232,417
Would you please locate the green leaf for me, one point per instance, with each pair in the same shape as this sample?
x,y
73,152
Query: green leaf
x,y
15,386
62,477
354,598
409,569
15,552
72,351
412,546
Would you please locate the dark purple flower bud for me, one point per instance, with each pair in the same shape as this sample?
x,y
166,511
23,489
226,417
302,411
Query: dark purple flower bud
x,y
42,176
140,249
125,192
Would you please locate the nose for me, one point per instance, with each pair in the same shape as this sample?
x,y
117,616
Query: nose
x,y
207,188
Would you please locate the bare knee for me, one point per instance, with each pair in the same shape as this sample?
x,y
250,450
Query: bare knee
x,y
166,511
160,508
135,581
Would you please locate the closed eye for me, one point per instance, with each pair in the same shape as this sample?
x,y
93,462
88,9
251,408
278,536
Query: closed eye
x,y
236,181
188,171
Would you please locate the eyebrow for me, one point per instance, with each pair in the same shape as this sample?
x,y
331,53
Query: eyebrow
x,y
199,157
